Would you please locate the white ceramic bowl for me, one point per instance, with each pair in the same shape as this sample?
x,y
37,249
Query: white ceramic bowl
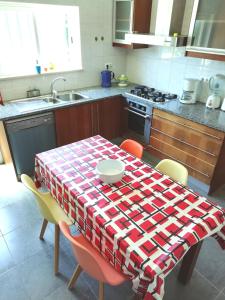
x,y
110,170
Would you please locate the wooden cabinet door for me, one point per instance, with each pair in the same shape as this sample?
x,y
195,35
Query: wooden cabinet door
x,y
130,16
110,117
73,123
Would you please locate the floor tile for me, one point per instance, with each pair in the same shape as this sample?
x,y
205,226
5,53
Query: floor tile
x,y
11,287
198,288
80,291
6,260
14,215
24,241
211,262
221,296
38,277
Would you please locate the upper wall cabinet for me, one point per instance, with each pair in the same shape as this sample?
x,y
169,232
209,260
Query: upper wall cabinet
x,y
130,16
206,35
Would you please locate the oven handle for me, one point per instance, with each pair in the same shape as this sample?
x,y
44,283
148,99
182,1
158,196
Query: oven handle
x,y
136,113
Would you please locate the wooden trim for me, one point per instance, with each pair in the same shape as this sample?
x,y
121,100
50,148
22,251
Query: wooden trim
x,y
4,145
204,55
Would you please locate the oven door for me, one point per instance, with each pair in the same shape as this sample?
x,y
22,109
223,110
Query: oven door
x,y
139,124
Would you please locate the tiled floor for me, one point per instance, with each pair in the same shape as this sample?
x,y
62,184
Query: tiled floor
x,y
26,263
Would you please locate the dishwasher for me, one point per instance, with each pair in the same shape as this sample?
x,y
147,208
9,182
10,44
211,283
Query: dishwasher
x,y
28,136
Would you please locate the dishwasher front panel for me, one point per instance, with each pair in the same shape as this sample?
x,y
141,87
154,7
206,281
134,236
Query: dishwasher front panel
x,y
29,136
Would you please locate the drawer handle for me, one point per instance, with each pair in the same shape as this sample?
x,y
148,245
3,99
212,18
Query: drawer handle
x,y
205,174
179,140
184,125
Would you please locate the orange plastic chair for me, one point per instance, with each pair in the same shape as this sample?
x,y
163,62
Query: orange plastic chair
x,y
91,261
132,147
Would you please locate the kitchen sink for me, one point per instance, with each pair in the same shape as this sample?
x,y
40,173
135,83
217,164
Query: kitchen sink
x,y
71,97
51,100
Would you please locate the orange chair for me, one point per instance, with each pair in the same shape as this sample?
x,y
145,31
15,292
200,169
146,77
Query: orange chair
x,y
132,147
91,261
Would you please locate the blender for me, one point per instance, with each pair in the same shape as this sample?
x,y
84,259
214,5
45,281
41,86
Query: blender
x,y
216,86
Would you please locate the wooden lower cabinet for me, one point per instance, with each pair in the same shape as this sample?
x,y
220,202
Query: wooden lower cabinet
x,y
108,117
73,124
199,148
104,117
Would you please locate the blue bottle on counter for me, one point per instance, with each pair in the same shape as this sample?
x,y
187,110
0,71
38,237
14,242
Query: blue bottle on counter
x,y
106,78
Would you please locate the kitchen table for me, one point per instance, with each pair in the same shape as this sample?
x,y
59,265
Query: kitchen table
x,y
143,225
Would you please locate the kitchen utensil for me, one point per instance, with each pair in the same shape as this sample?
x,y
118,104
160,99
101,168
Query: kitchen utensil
x,y
213,101
190,89
33,93
106,78
123,80
110,170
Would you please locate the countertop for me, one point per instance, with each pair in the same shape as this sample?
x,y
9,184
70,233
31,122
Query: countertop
x,y
194,112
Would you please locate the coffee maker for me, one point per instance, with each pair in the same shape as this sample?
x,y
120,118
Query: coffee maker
x,y
190,90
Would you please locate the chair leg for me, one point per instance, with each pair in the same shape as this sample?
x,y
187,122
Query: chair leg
x,y
74,277
56,250
101,290
43,227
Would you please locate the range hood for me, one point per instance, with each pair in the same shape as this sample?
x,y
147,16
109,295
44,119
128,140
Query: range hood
x,y
166,27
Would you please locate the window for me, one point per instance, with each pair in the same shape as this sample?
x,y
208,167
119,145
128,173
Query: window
x,y
31,34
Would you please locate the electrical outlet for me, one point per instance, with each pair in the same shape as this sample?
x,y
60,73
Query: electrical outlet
x,y
109,65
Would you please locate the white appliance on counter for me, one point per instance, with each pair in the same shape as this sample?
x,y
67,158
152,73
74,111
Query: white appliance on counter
x,y
190,91
217,86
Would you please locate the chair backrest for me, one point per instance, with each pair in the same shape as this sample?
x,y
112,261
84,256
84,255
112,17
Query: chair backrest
x,y
132,147
85,253
173,169
43,207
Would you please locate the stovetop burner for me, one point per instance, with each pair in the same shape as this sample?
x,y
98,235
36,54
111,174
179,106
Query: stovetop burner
x,y
152,94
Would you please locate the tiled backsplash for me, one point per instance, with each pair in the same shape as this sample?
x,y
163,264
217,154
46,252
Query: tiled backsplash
x,y
165,68
96,20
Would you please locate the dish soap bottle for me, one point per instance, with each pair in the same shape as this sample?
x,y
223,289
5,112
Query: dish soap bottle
x,y
38,67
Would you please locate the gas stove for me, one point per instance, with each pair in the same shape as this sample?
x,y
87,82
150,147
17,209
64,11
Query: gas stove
x,y
152,94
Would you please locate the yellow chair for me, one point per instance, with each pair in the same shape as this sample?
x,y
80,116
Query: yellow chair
x,y
173,169
51,212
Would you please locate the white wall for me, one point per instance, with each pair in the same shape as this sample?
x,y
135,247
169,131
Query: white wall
x,y
165,68
96,20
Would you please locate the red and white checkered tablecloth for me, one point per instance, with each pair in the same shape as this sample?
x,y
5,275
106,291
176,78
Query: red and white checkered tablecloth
x,y
143,225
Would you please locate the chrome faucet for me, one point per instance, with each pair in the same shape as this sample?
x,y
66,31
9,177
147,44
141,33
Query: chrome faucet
x,y
53,91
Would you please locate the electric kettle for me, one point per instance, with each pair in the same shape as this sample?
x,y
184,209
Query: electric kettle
x,y
106,78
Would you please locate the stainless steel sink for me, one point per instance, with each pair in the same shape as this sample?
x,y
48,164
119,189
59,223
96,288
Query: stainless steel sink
x,y
51,100
71,97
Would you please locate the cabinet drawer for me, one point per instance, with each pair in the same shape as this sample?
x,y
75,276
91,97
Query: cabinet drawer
x,y
184,146
188,135
210,132
159,154
188,160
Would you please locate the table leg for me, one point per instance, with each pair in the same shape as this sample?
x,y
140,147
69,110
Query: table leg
x,y
188,263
